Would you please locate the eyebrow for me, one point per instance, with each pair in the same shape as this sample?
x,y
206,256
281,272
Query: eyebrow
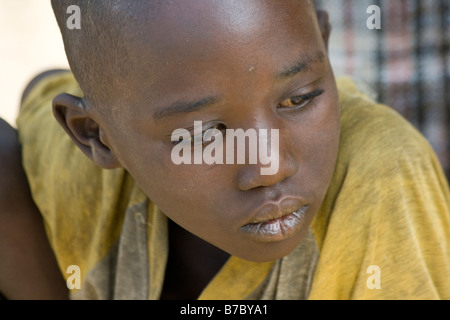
x,y
184,107
303,64
179,107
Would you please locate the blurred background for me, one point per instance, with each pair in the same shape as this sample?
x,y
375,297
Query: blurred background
x,y
30,43
405,65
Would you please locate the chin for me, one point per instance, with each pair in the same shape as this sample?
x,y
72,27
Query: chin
x,y
269,251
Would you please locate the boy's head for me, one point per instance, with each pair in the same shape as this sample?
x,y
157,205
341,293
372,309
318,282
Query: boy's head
x,y
148,68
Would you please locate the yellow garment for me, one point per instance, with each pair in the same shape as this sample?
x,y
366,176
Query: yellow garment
x,y
388,206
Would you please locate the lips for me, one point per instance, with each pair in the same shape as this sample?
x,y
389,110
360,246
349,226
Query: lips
x,y
277,221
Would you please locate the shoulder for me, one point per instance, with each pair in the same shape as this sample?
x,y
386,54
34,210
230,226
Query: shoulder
x,y
373,134
30,86
69,189
388,205
383,154
13,179
28,258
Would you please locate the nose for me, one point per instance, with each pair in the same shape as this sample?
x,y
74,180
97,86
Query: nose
x,y
276,162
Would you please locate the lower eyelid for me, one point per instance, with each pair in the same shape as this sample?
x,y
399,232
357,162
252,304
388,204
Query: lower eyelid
x,y
308,98
302,101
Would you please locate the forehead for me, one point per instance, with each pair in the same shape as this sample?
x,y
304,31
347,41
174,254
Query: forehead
x,y
206,39
222,21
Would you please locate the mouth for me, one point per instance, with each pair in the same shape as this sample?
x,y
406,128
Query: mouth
x,y
277,222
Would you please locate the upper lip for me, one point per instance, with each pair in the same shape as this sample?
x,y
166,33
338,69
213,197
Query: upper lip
x,y
275,210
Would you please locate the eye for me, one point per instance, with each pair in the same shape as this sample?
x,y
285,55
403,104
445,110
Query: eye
x,y
207,136
299,102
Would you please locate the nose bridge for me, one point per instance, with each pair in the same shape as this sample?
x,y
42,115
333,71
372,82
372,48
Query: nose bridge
x,y
276,160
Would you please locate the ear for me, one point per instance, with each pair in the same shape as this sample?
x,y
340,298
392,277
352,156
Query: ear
x,y
83,130
324,24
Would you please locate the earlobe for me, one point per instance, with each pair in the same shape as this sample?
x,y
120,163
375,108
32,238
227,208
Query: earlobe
x,y
324,24
84,131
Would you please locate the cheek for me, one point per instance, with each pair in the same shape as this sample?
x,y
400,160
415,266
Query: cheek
x,y
178,190
163,182
320,146
191,197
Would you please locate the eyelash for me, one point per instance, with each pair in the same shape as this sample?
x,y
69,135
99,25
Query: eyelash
x,y
220,127
298,102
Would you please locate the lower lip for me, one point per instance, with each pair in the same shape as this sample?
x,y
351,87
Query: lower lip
x,y
279,229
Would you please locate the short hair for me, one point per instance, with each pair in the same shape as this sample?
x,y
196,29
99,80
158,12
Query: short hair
x,y
97,52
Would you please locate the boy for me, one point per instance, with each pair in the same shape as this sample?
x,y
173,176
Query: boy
x,y
357,209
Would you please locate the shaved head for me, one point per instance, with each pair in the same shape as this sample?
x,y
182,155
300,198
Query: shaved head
x,y
97,53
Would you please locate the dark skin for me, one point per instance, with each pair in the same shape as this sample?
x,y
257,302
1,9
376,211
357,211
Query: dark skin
x,y
28,268
260,72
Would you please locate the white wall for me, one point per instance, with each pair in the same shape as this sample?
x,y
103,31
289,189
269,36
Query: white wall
x,y
30,43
